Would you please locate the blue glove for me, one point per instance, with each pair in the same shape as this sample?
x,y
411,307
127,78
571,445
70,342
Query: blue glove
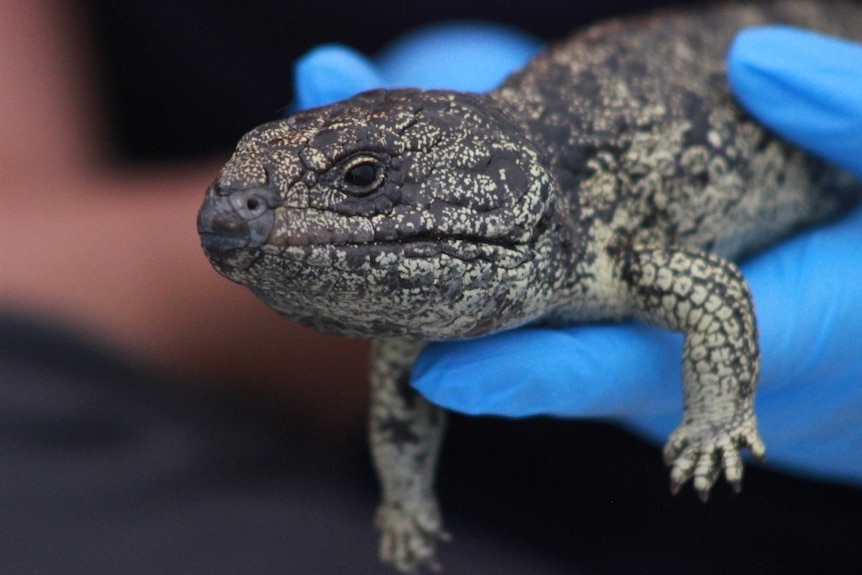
x,y
806,86
469,56
808,290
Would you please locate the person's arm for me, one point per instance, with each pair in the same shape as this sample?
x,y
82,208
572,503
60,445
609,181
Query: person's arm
x,y
113,253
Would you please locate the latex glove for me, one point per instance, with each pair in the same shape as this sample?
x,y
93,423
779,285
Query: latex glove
x,y
472,57
808,291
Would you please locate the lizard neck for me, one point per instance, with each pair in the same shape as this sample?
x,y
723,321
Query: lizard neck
x,y
580,261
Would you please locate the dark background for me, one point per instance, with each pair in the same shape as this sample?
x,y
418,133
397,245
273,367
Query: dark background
x,y
189,77
107,468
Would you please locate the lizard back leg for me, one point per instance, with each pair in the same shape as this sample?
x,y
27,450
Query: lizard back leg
x,y
707,299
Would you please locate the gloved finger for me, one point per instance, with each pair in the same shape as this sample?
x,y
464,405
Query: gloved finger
x,y
579,371
458,56
808,295
805,86
330,73
474,57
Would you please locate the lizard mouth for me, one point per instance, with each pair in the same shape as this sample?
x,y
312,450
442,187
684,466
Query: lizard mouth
x,y
237,240
310,227
242,259
389,252
439,240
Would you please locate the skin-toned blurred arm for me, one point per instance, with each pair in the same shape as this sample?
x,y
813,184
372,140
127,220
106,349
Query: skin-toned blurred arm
x,y
115,254
48,105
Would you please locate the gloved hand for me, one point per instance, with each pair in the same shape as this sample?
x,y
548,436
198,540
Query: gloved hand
x,y
808,290
462,56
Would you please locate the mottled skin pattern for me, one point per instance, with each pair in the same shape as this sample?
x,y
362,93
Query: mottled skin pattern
x,y
612,177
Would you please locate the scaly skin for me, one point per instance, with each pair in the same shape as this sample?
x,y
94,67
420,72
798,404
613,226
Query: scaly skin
x,y
612,177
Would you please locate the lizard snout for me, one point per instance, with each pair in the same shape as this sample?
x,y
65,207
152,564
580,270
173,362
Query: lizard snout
x,y
235,219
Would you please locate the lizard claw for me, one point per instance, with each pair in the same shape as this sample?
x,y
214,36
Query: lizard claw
x,y
701,452
409,536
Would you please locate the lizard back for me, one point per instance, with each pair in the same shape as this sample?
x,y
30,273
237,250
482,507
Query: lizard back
x,y
644,138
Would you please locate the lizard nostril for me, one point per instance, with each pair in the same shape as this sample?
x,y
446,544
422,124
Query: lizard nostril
x,y
254,202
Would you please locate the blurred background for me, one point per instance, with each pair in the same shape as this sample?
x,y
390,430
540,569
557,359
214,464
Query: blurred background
x,y
155,417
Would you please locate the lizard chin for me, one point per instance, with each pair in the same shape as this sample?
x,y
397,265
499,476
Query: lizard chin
x,y
232,262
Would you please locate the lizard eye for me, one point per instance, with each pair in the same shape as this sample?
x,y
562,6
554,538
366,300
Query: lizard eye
x,y
363,175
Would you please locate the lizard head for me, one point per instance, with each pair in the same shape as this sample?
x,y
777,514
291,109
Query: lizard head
x,y
410,213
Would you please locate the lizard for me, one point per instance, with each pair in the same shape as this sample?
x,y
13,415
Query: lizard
x,y
612,177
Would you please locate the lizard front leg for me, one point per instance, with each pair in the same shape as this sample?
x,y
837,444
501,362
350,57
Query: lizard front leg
x,y
405,433
707,299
